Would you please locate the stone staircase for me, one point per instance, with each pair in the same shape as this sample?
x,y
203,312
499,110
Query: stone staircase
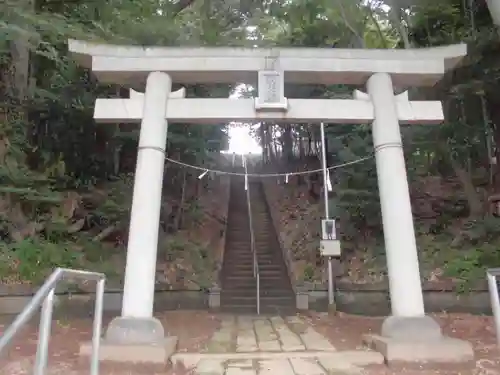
x,y
238,293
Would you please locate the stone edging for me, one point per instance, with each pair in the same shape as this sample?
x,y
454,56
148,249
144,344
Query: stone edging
x,y
427,286
368,301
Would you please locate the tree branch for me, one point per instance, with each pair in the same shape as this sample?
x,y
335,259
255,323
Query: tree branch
x,y
358,37
181,5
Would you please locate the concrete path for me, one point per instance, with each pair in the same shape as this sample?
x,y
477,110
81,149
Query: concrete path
x,y
272,346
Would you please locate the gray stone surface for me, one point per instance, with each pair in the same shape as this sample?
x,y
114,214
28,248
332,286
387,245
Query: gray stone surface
x,y
289,340
334,367
222,339
240,371
422,328
128,330
246,340
338,363
302,300
445,350
267,338
210,367
376,302
275,334
306,366
275,367
214,299
273,346
158,353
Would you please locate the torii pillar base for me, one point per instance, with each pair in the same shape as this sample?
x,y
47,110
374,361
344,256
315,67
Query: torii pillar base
x,y
134,340
419,341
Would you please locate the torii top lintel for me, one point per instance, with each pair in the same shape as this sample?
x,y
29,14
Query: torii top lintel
x,y
129,65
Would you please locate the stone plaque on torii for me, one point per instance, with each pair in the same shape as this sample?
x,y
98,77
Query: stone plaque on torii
x,y
381,71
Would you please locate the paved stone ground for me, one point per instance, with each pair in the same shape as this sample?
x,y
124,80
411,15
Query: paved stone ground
x,y
200,332
274,334
246,345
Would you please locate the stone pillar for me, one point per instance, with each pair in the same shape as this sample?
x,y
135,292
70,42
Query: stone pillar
x,y
407,335
494,7
399,235
137,323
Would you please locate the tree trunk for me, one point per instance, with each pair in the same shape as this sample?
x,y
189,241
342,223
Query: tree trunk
x,y
19,71
493,106
476,207
180,210
396,14
287,143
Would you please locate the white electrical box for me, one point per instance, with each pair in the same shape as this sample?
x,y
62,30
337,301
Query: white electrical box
x,y
330,248
271,90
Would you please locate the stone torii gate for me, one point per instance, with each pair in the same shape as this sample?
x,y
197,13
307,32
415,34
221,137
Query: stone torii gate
x,y
408,333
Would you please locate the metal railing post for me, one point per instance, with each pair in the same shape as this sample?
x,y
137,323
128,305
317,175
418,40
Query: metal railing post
x,y
42,350
256,273
258,294
492,275
97,327
45,297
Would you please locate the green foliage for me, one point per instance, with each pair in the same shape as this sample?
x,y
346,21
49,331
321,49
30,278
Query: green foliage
x,y
33,259
308,273
193,260
50,145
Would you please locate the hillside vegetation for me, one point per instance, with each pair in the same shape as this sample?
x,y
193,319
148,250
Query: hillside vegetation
x,y
66,182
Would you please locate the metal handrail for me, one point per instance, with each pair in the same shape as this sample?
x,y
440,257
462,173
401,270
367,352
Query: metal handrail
x,y
44,297
256,271
491,276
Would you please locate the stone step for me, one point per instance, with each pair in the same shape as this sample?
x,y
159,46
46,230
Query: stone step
x,y
246,254
252,294
262,267
252,286
240,265
264,301
264,274
244,246
264,279
237,253
264,309
283,292
251,282
246,251
238,281
259,245
243,232
244,239
247,263
244,265
278,279
237,278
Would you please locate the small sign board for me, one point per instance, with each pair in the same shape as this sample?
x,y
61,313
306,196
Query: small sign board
x,y
271,91
330,248
493,275
329,245
328,229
